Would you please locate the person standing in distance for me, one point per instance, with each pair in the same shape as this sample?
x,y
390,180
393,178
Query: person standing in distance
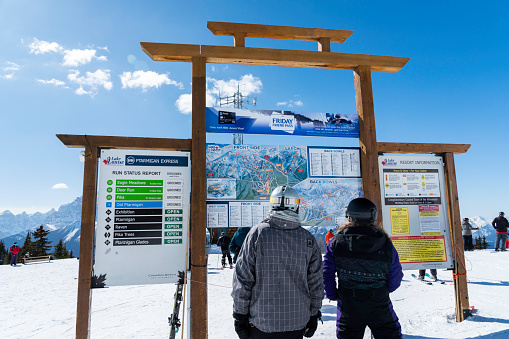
x,y
500,225
467,234
14,253
277,282
368,269
237,241
224,243
329,236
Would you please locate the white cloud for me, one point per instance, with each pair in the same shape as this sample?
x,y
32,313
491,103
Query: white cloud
x,y
51,82
59,186
7,76
290,103
95,80
248,85
185,103
11,67
76,57
146,79
42,47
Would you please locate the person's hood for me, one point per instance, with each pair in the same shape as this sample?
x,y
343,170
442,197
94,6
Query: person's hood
x,y
244,230
284,219
361,239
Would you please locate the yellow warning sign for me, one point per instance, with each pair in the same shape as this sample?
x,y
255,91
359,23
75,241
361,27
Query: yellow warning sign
x,y
420,249
400,222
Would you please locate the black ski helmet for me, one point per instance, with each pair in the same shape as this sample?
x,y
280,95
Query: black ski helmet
x,y
362,211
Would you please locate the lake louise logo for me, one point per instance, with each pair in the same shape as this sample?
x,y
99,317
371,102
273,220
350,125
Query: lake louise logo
x,y
282,122
113,161
389,162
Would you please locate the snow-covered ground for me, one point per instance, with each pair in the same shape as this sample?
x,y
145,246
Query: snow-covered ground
x,y
39,301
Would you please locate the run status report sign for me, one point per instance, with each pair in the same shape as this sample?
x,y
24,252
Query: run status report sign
x,y
142,217
414,207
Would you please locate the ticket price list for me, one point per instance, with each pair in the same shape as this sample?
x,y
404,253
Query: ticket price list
x,y
324,162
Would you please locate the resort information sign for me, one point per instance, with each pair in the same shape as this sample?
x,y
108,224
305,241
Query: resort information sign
x,y
142,217
250,121
414,210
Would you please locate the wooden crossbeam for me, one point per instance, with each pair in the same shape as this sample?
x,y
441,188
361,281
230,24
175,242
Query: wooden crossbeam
x,y
417,148
277,32
272,57
82,141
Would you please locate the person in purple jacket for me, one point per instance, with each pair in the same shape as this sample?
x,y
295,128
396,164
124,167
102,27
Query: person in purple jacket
x,y
367,266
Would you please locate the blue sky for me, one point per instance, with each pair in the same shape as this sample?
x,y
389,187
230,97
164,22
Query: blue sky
x,y
76,67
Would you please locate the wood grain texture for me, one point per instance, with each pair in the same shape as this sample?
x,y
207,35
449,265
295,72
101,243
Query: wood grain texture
x,y
278,32
81,141
198,202
367,137
88,213
418,148
272,57
460,272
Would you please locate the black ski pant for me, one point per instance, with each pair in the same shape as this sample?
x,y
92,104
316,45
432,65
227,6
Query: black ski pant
x,y
257,334
467,243
360,308
226,253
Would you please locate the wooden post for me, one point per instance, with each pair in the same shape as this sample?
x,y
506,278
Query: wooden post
x,y
239,39
324,44
459,272
367,137
198,202
86,243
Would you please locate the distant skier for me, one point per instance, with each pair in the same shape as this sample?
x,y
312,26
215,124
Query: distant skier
x,y
368,269
422,274
14,253
224,243
277,282
329,236
237,241
467,234
500,225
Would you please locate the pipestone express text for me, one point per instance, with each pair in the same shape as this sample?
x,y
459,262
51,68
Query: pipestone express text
x,y
135,173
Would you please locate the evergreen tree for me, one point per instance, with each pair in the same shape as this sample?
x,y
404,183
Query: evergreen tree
x,y
60,252
7,258
40,244
71,255
27,246
3,251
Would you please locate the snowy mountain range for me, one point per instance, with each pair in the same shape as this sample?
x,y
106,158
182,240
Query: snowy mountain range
x,y
65,224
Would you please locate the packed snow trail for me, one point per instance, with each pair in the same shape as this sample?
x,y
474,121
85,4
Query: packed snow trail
x,y
39,301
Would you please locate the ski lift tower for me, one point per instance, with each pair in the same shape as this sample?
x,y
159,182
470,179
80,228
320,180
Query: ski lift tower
x,y
238,100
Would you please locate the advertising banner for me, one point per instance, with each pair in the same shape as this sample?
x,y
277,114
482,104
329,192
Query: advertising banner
x,y
142,217
248,121
240,179
415,210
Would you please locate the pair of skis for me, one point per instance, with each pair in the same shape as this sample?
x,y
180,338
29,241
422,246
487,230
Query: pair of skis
x,y
428,282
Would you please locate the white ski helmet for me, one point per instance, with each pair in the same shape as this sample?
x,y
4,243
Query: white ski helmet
x,y
284,198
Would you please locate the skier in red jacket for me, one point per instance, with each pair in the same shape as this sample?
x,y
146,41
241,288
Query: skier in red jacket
x,y
14,253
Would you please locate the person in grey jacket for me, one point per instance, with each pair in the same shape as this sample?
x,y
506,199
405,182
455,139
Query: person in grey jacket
x,y
467,234
278,279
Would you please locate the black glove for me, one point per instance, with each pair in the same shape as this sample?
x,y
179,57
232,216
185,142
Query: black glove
x,y
312,324
242,325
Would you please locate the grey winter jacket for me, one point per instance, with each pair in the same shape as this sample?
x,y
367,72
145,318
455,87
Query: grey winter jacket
x,y
278,278
467,228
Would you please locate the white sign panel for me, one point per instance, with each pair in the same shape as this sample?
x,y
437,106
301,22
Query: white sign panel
x,y
415,210
142,217
334,162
